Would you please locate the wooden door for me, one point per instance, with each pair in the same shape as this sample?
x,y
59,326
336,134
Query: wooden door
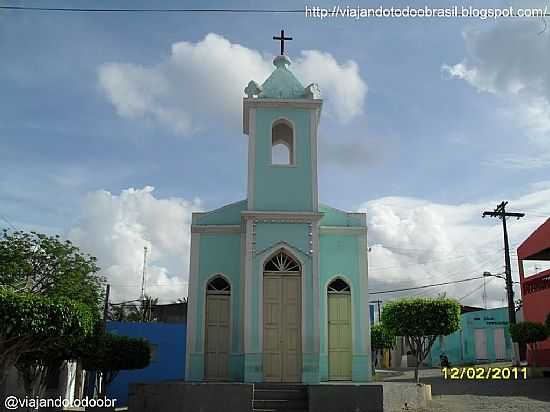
x,y
217,339
339,336
481,343
282,328
500,345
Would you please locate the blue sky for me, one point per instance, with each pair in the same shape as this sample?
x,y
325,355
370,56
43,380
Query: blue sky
x,y
424,134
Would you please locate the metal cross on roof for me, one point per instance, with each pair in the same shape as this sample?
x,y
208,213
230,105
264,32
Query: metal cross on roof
x,y
282,39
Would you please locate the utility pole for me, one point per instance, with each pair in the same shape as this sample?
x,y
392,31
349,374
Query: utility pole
x,y
500,212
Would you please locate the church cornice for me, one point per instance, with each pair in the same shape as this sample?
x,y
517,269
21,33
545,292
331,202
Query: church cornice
x,y
343,230
216,229
251,103
281,217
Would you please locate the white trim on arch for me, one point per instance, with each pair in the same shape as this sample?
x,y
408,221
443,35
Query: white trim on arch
x,y
204,291
291,150
353,299
267,255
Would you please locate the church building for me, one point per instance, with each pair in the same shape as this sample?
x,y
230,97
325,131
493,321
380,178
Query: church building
x,y
278,282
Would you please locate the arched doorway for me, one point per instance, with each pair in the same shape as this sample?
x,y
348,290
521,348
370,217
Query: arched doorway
x,y
217,330
282,319
339,331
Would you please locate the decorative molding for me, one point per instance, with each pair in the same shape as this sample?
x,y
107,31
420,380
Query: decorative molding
x,y
216,229
286,245
281,217
313,125
343,230
251,130
248,288
253,89
249,104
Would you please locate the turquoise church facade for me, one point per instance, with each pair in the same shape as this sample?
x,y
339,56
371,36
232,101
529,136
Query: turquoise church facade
x,y
278,283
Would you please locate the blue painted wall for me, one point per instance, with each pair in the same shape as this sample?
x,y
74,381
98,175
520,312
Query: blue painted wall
x,y
460,346
168,361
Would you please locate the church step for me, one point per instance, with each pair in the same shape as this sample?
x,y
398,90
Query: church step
x,y
277,394
280,386
281,404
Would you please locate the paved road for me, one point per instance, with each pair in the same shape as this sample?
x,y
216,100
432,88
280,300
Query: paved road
x,y
531,395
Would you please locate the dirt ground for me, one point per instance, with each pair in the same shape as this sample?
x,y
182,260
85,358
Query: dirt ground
x,y
530,395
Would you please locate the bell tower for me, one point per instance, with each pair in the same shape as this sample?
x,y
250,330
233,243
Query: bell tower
x,y
281,119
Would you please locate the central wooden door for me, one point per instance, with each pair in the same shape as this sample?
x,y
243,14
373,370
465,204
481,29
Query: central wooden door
x,y
282,327
339,335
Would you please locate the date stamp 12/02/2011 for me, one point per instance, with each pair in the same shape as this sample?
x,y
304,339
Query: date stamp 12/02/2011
x,y
480,373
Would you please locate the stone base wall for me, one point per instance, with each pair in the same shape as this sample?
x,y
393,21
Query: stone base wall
x,y
190,397
345,398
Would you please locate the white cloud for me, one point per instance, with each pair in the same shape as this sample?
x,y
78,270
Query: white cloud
x,y
510,60
413,242
115,228
200,85
416,242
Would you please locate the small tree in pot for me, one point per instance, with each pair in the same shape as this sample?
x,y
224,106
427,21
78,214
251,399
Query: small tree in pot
x,y
421,321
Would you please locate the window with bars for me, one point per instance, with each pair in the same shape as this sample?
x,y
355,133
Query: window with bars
x,y
338,286
282,262
218,285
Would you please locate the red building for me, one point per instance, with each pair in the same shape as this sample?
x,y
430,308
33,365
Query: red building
x,y
535,289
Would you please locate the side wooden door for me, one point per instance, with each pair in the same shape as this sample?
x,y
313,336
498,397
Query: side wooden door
x,y
217,339
339,337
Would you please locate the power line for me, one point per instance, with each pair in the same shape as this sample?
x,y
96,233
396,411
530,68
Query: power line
x,y
474,290
148,10
425,286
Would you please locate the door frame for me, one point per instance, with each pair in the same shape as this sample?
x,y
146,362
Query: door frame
x,y
204,307
282,275
352,319
268,255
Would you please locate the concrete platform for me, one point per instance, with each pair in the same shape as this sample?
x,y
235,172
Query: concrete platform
x,y
238,397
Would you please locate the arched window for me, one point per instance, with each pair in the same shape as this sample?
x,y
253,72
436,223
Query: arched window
x,y
218,285
338,286
281,262
282,143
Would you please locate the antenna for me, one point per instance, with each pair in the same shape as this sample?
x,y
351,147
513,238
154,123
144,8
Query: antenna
x,y
144,273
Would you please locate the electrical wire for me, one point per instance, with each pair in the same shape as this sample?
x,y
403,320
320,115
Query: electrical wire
x,y
425,286
149,10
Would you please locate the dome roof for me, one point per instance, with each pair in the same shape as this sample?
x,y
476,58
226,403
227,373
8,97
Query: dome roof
x,y
282,84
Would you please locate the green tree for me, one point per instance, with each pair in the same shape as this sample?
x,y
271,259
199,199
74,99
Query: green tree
x,y
529,333
45,265
31,323
421,321
108,354
37,263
